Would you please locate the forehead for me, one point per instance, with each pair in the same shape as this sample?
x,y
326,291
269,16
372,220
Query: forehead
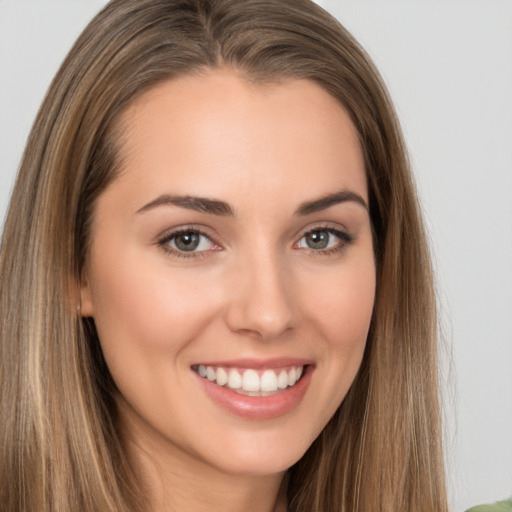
x,y
199,134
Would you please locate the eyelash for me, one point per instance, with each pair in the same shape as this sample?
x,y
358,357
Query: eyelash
x,y
344,237
163,242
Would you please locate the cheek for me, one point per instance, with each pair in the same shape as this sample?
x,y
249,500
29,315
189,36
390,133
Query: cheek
x,y
342,312
140,308
343,307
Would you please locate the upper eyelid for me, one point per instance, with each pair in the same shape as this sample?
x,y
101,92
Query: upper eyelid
x,y
171,232
328,226
342,234
174,234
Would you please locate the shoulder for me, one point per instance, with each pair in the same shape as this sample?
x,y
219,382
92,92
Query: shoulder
x,y
499,506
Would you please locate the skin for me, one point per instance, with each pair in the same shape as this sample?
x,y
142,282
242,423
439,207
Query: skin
x,y
257,290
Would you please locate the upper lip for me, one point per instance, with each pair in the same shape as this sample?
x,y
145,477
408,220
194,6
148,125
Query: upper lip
x,y
278,362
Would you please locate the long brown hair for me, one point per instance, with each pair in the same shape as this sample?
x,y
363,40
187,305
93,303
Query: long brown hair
x,y
59,448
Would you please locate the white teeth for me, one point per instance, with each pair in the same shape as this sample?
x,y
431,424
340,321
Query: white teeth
x,y
268,381
292,377
222,377
282,380
234,380
250,381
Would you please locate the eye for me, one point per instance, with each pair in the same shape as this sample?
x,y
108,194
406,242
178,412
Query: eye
x,y
189,241
324,239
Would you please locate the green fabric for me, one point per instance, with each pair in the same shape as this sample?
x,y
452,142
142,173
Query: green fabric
x,y
500,506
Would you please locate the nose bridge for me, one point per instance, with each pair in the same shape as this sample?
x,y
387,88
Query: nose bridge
x,y
262,301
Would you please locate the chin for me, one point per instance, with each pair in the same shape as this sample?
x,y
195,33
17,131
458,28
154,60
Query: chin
x,y
263,455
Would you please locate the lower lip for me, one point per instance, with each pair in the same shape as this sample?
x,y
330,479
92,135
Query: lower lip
x,y
258,407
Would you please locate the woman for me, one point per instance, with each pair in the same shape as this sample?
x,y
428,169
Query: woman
x,y
216,290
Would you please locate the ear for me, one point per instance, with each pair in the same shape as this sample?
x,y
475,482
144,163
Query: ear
x,y
86,302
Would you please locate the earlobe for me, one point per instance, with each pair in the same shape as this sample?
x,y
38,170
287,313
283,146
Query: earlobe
x,y
86,303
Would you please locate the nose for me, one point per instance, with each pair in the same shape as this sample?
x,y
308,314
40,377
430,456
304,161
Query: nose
x,y
262,302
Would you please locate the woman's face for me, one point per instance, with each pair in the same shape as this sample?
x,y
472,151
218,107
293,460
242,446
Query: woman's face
x,y
232,256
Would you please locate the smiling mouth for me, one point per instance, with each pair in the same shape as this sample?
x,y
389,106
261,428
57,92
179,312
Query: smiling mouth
x,y
251,382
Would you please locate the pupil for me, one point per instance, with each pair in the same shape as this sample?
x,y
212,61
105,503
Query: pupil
x,y
187,241
317,239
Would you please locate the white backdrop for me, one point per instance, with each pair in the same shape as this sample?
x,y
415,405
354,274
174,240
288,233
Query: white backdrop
x,y
449,68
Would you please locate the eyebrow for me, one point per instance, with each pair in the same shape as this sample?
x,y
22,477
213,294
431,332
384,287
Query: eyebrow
x,y
216,207
322,203
199,204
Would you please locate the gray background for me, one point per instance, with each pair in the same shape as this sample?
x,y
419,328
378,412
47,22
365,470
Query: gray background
x,y
448,65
